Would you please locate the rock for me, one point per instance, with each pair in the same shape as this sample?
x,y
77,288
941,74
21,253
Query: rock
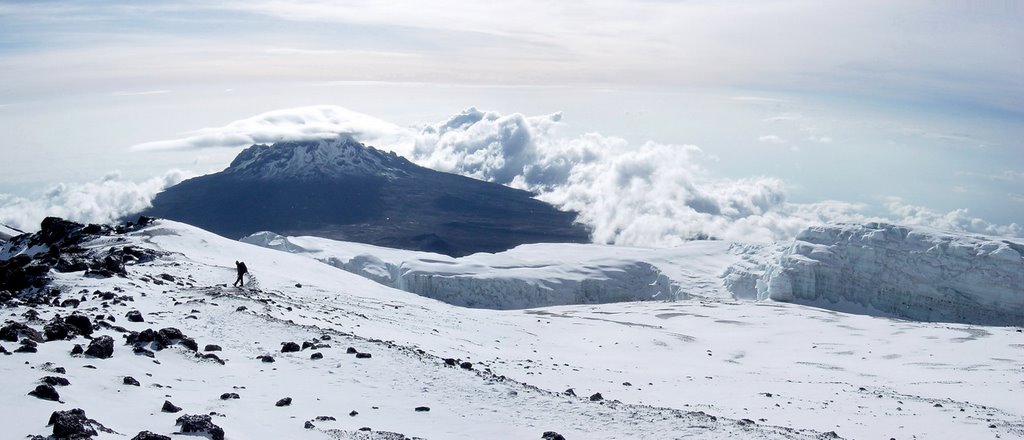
x,y
134,316
211,347
201,423
627,384
241,308
266,358
552,435
81,323
146,435
143,351
57,329
71,424
363,355
325,418
466,365
211,357
353,413
317,355
55,381
289,347
570,392
15,331
450,362
45,392
351,350
128,380
596,397
169,407
101,347
26,348
284,402
227,396
309,425
422,408
307,344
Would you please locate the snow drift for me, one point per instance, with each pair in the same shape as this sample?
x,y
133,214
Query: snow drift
x,y
917,273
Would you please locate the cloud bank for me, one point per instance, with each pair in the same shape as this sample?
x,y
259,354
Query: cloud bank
x,y
102,201
648,194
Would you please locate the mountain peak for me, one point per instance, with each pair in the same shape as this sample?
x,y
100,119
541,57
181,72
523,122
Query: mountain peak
x,y
316,160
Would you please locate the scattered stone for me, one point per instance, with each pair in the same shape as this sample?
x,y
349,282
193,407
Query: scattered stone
x,y
201,423
596,397
422,408
363,355
351,350
365,429
353,413
552,435
71,424
143,351
241,308
284,402
210,357
146,435
289,347
55,381
27,348
212,347
309,425
466,365
937,405
316,355
128,380
227,396
325,418
81,323
570,392
450,362
266,358
627,384
170,407
134,316
45,392
57,329
101,347
15,331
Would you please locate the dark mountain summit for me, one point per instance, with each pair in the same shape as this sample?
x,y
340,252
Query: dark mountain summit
x,y
344,190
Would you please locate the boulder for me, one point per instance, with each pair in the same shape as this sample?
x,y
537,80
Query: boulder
x,y
45,392
101,347
71,424
200,424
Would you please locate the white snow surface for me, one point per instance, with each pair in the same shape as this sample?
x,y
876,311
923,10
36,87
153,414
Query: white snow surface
x,y
6,232
918,273
794,371
538,275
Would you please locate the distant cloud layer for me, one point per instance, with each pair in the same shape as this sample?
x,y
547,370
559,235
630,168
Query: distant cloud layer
x,y
105,200
647,194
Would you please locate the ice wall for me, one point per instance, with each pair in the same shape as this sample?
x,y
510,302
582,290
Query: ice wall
x,y
912,273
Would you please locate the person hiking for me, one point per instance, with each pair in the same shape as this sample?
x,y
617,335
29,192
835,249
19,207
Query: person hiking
x,y
242,270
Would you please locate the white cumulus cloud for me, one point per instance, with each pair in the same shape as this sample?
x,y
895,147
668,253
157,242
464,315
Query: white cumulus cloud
x,y
102,201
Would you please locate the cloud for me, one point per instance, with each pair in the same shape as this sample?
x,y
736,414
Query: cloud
x,y
102,201
649,194
302,123
955,220
771,139
143,93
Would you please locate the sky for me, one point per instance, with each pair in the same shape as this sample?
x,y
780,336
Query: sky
x,y
658,120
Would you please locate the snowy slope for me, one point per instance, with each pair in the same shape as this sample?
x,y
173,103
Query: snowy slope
x,y
535,275
663,368
6,232
320,159
914,273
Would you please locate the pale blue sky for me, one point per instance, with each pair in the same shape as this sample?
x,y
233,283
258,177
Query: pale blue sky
x,y
852,101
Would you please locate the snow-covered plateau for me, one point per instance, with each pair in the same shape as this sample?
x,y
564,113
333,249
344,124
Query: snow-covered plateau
x,y
371,361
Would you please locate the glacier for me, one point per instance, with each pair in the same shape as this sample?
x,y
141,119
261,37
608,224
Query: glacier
x,y
912,273
874,268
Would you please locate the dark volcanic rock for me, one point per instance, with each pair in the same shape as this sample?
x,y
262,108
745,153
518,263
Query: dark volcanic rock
x,y
309,425
357,193
266,358
101,347
596,397
363,355
169,407
55,381
45,392
15,331
81,323
146,435
77,350
351,350
71,424
128,380
316,356
200,424
422,408
289,347
552,435
57,329
466,365
211,347
284,402
227,396
134,316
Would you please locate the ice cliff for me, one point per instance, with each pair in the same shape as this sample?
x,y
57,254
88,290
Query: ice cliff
x,y
913,273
